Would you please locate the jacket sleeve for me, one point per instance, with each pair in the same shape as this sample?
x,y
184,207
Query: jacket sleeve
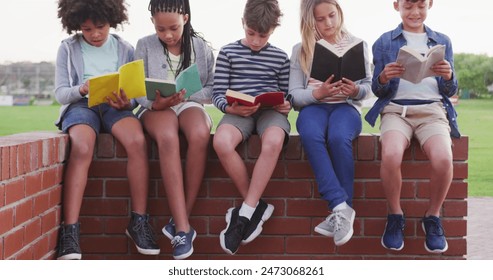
x,y
66,82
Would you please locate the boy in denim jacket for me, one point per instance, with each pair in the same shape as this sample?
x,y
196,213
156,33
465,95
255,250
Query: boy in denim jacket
x,y
407,110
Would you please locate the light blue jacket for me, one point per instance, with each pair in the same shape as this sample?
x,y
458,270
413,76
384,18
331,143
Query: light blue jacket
x,y
385,51
151,51
69,72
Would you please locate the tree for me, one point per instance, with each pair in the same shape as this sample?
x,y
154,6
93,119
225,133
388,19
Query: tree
x,y
474,73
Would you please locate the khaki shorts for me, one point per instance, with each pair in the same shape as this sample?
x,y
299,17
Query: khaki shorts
x,y
258,122
420,121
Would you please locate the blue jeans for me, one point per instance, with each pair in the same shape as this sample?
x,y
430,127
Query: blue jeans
x,y
327,132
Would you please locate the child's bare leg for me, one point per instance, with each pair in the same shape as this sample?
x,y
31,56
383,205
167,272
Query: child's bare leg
x,y
226,139
129,133
162,126
195,126
439,152
272,141
82,140
393,146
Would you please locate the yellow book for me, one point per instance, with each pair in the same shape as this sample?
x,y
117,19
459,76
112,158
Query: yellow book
x,y
130,77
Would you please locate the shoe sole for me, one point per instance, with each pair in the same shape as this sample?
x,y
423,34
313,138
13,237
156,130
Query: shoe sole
x,y
390,248
436,251
73,256
222,242
267,214
189,253
142,250
350,233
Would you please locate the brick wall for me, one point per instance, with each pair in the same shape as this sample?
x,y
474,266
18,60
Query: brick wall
x,y
287,235
31,169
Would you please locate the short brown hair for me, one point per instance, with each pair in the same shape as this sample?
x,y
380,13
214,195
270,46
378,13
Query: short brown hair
x,y
262,15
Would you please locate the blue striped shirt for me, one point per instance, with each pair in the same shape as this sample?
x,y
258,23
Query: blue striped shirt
x,y
241,69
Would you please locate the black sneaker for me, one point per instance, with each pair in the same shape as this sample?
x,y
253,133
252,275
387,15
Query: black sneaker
x,y
231,237
140,231
262,213
68,242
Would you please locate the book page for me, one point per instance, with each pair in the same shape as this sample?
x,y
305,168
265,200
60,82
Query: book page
x,y
102,86
189,79
165,87
132,78
417,65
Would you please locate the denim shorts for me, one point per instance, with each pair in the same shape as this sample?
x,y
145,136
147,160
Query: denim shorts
x,y
101,117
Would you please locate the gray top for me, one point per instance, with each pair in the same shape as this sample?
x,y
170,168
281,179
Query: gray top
x,y
151,51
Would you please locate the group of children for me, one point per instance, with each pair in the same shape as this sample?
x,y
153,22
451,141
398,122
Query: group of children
x,y
329,116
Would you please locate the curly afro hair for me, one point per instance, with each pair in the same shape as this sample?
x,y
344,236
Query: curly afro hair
x,y
75,12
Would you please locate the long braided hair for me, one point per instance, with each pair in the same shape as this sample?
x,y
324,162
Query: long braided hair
x,y
181,7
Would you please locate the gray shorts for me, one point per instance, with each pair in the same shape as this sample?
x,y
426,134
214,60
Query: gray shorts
x,y
258,123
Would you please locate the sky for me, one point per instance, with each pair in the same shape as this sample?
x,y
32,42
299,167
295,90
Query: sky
x,y
31,31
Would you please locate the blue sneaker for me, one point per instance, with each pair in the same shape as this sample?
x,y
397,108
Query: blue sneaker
x,y
169,230
435,236
393,236
183,244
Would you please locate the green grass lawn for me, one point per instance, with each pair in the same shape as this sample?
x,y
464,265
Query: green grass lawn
x,y
475,121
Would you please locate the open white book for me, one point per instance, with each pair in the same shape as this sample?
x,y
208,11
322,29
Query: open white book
x,y
418,66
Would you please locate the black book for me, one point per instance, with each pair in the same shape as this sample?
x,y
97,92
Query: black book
x,y
348,63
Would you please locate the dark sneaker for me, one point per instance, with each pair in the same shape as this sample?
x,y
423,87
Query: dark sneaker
x,y
169,229
435,236
393,236
68,242
183,244
231,237
140,231
262,213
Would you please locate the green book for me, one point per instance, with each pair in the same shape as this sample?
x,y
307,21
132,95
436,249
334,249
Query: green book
x,y
188,79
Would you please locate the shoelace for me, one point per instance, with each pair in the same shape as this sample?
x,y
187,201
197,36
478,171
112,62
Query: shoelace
x,y
143,227
434,228
335,219
69,240
178,240
394,225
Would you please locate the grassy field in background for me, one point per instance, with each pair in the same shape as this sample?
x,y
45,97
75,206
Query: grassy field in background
x,y
475,121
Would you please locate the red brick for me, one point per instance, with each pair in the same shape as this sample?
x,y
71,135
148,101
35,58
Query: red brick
x,y
109,169
2,256
288,189
48,152
33,183
14,172
32,230
14,191
23,212
455,208
49,221
287,226
21,155
370,208
25,254
460,170
117,188
293,149
5,163
307,208
362,246
460,148
366,148
367,170
263,245
94,188
211,207
2,195
299,170
105,207
49,177
223,188
41,248
7,218
13,242
94,225
309,245
107,245
41,203
55,197
105,146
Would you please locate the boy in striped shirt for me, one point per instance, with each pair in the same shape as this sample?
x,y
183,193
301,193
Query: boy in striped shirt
x,y
252,66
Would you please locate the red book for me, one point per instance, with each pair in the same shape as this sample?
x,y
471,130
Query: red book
x,y
272,98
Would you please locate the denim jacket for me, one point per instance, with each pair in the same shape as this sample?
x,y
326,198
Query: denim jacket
x,y
385,51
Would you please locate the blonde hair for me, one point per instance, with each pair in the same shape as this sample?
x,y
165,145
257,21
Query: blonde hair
x,y
309,33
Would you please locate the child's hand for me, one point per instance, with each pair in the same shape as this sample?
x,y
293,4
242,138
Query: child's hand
x,y
283,108
121,103
240,110
162,103
84,89
391,70
443,69
327,89
349,88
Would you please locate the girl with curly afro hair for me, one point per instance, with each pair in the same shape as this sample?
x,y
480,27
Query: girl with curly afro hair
x,y
92,52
